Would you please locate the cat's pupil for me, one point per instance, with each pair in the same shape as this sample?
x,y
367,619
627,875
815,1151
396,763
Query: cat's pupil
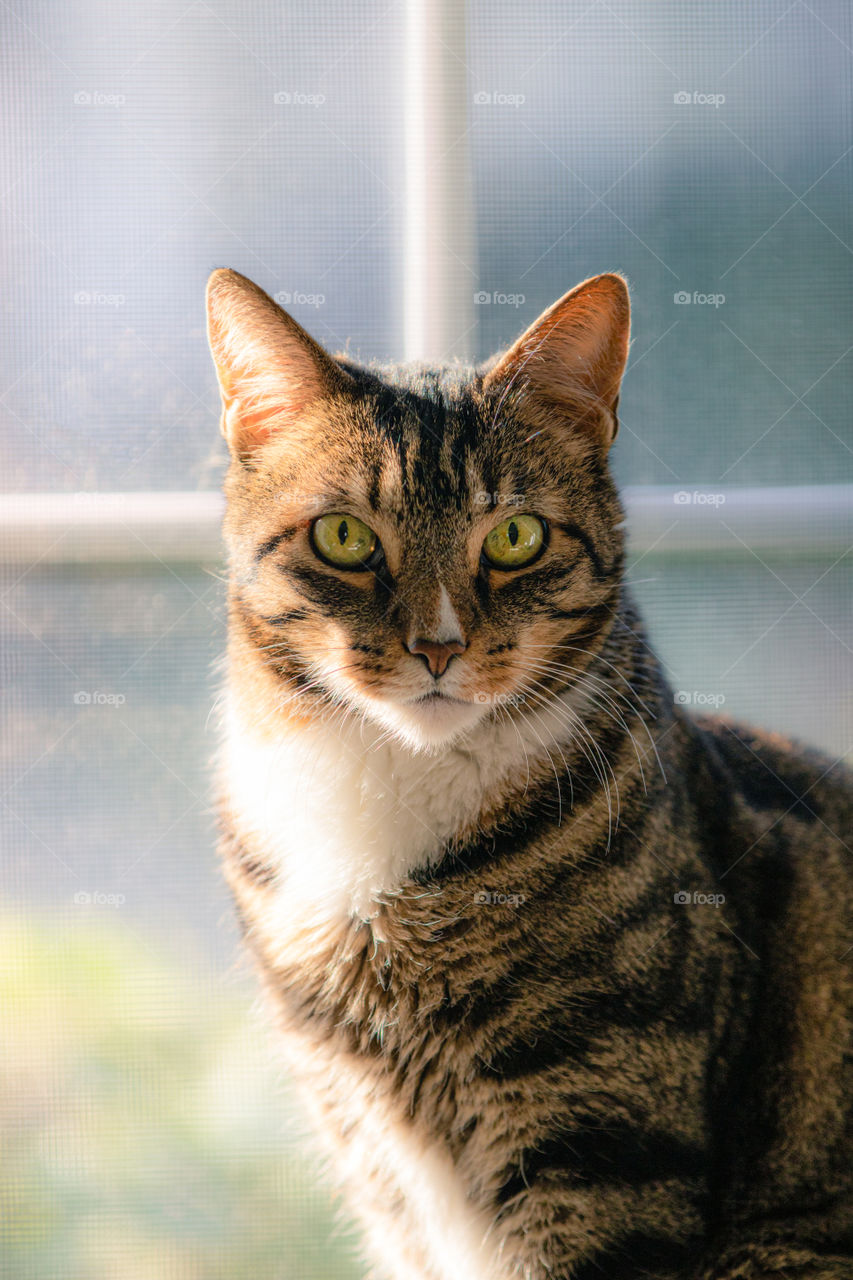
x,y
343,532
512,533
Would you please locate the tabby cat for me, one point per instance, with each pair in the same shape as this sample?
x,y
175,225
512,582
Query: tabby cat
x,y
563,973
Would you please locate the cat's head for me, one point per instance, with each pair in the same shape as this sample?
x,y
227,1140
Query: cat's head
x,y
426,548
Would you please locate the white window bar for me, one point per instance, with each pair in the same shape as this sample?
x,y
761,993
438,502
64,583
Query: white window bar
x,y
440,274
181,527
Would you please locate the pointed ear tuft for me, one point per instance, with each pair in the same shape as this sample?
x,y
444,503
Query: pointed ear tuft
x,y
573,357
269,369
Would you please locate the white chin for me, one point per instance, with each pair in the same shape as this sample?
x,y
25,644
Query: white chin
x,y
427,725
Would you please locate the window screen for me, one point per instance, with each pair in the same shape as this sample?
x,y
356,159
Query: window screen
x,y
703,149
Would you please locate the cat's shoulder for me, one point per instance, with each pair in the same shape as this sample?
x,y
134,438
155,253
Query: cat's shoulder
x,y
773,771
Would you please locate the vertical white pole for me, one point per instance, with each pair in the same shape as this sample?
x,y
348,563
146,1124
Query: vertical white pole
x,y
440,270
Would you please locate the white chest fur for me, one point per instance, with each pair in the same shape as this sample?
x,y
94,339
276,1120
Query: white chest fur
x,y
346,814
435,1232
342,816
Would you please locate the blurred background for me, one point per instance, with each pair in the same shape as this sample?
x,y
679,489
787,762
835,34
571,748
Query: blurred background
x,y
407,178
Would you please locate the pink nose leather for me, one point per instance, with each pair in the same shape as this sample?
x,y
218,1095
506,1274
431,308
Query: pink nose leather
x,y
436,653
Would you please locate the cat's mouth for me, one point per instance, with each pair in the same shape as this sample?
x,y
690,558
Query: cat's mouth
x,y
428,721
436,695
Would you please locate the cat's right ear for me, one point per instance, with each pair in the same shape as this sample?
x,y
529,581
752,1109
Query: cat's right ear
x,y
569,363
269,369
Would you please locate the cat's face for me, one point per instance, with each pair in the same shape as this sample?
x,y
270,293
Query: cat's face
x,y
424,549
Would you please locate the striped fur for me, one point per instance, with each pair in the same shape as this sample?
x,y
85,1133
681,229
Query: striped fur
x,y
526,1054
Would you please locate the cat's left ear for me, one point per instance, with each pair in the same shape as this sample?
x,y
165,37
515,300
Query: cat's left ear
x,y
571,360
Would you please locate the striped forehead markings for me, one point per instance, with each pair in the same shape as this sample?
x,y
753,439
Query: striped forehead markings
x,y
431,435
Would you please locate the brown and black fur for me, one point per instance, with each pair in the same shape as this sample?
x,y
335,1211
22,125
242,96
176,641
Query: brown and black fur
x,y
628,1085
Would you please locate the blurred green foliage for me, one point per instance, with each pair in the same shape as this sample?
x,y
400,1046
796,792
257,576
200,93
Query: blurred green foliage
x,y
146,1131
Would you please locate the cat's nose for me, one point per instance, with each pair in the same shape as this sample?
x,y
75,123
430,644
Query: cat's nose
x,y
436,653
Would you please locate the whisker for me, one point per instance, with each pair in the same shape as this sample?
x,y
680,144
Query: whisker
x,y
635,696
556,777
599,764
503,714
601,699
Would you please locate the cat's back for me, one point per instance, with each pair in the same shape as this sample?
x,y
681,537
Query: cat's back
x,y
782,779
782,817
785,868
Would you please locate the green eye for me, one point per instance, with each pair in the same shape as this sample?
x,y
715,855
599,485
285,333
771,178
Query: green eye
x,y
344,541
515,542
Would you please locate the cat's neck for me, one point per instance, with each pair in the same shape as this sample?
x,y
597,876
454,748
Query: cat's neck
x,y
342,813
